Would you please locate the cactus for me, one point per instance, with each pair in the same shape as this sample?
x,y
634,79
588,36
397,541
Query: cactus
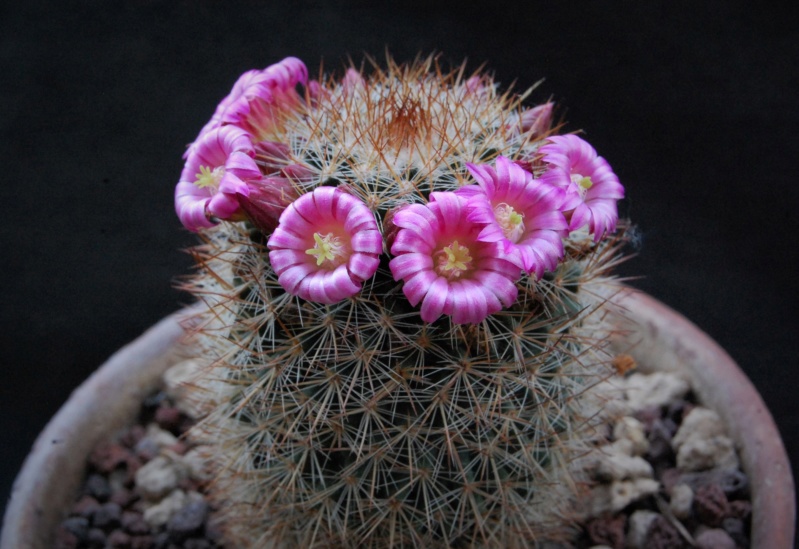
x,y
403,274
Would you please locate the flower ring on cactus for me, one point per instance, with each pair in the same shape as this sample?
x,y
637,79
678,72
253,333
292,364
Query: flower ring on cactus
x,y
326,244
265,86
520,212
445,265
592,187
216,171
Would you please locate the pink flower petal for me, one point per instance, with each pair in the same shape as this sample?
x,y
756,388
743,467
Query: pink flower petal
x,y
417,286
434,300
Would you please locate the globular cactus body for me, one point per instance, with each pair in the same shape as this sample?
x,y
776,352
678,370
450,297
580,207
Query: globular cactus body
x,y
352,421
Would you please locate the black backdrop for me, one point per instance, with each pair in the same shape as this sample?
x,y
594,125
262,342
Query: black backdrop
x,y
693,103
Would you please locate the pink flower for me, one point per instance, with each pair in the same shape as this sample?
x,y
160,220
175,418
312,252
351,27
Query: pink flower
x,y
217,170
264,201
592,187
521,213
445,266
272,92
252,86
538,120
326,244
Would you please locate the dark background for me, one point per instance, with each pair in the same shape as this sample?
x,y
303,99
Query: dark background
x,y
694,104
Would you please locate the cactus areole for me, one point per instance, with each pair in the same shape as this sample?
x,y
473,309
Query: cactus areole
x,y
402,272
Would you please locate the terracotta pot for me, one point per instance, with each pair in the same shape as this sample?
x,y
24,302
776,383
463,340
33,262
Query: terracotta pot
x,y
658,337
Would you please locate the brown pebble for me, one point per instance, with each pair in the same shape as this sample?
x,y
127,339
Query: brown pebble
x,y
608,531
711,505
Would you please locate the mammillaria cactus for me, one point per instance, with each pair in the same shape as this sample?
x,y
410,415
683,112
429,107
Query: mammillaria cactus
x,y
403,274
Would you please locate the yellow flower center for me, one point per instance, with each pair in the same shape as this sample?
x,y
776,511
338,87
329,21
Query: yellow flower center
x,y
454,260
583,183
208,178
510,221
326,248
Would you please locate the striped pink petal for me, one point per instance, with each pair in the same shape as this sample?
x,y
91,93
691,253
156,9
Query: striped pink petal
x,y
326,244
445,266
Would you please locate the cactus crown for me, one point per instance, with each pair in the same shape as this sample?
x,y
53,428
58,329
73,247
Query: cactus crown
x,y
341,414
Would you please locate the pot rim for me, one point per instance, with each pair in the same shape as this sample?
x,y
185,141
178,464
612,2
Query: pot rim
x,y
49,480
722,386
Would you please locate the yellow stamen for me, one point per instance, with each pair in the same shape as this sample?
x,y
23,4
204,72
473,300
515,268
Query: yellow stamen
x,y
455,260
327,248
510,221
208,177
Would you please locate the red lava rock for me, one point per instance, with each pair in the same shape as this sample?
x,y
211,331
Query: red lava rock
x,y
64,539
107,457
118,540
714,539
663,535
134,523
741,509
180,448
132,436
168,418
86,506
670,478
711,505
123,498
608,531
142,542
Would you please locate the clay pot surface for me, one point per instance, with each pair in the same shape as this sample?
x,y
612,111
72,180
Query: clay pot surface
x,y
658,337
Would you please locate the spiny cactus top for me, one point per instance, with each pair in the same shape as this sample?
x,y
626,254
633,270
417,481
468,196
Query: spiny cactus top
x,y
397,269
